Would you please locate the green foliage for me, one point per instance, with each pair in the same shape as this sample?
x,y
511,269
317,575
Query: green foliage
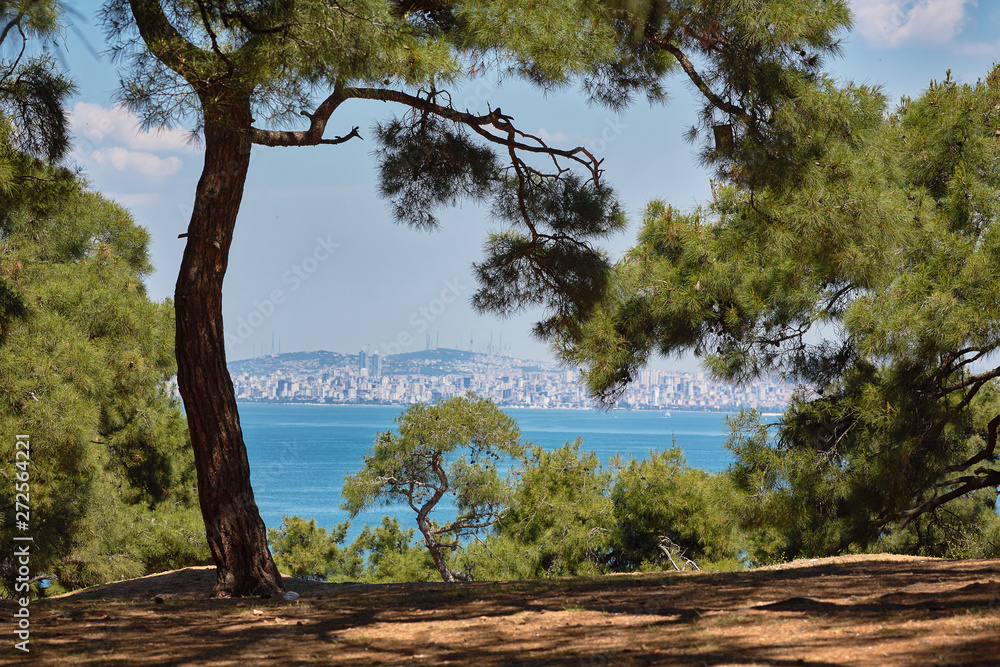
x,y
425,162
559,522
666,514
570,517
794,502
32,89
545,257
734,283
868,273
305,550
426,461
389,555
85,364
287,53
747,58
384,554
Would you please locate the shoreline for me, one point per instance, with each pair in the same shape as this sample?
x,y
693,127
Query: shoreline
x,y
403,406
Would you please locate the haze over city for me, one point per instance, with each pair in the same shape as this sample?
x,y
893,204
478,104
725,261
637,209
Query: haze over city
x,y
441,373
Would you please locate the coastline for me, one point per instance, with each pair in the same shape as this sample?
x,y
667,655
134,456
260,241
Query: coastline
x,y
403,406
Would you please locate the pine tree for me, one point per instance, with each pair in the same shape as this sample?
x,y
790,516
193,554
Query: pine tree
x,y
880,235
84,354
32,89
85,364
246,70
452,450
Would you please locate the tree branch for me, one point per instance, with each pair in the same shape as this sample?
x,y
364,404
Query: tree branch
x,y
986,452
317,126
16,21
24,45
699,82
166,43
510,136
984,477
664,43
979,379
495,119
207,24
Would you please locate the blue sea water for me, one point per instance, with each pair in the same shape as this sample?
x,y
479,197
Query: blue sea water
x,y
300,454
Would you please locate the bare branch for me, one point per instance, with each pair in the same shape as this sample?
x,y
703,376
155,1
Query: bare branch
x,y
317,125
503,131
24,45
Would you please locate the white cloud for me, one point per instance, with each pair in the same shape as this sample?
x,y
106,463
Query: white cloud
x,y
980,49
147,164
895,23
551,139
97,126
111,139
135,199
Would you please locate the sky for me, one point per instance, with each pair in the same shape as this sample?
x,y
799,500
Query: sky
x,y
317,262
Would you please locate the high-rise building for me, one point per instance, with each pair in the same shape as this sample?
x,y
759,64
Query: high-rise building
x,y
362,360
376,365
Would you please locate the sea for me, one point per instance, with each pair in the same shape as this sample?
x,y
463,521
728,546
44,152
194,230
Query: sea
x,y
300,454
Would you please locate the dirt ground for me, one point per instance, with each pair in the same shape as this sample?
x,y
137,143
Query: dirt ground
x,y
874,610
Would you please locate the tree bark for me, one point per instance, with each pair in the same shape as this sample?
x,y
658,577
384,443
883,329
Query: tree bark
x,y
430,536
236,533
434,547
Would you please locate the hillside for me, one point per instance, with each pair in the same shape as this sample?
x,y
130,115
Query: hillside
x,y
289,361
441,361
863,610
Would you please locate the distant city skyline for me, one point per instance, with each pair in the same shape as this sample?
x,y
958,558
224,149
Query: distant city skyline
x,y
326,377
317,258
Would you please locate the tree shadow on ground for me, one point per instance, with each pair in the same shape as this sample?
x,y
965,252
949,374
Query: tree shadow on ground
x,y
877,613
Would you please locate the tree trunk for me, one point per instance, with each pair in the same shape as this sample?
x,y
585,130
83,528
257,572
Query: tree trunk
x,y
236,533
436,550
447,575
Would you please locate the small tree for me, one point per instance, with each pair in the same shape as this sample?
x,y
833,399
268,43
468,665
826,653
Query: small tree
x,y
571,516
666,512
382,554
426,461
306,550
560,519
388,555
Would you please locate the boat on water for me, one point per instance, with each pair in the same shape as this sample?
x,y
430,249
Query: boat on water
x,y
667,415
